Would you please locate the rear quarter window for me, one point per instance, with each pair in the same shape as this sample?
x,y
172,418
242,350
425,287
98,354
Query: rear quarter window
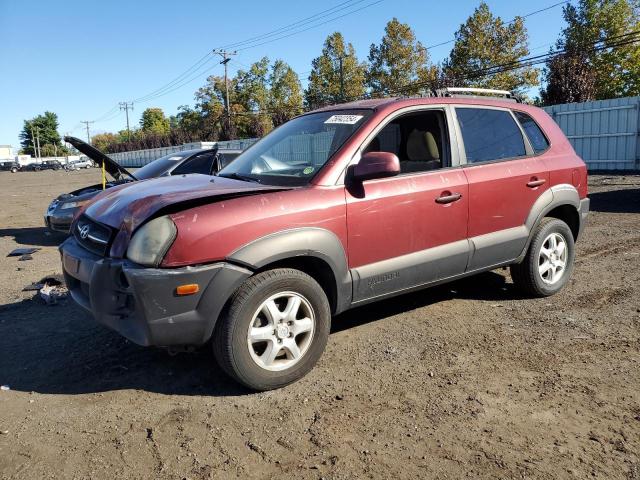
x,y
537,138
489,135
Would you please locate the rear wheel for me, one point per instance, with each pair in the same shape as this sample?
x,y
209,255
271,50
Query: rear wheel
x,y
548,263
274,329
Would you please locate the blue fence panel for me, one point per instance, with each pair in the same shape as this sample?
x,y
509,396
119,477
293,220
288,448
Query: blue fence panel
x,y
605,133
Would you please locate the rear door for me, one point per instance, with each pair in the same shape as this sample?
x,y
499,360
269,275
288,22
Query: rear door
x,y
506,177
411,229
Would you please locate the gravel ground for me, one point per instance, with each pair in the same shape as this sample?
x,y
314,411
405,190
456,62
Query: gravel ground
x,y
468,379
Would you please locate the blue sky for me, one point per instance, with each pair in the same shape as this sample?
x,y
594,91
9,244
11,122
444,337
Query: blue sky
x,y
79,59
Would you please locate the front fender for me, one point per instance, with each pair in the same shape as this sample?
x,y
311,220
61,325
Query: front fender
x,y
300,242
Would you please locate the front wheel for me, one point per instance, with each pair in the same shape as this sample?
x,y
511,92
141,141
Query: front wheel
x,y
548,263
273,330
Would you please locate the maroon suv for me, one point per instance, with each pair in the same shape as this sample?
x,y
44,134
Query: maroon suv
x,y
336,208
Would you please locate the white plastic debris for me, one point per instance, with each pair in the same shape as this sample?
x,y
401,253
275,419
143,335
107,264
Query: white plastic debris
x,y
5,387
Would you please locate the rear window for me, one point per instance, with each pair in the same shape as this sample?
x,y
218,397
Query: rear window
x,y
489,134
538,140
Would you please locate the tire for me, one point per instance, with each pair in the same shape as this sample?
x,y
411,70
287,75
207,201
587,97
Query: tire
x,y
248,361
536,275
14,170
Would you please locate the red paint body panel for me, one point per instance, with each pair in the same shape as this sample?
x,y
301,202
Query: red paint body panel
x,y
396,216
212,232
498,194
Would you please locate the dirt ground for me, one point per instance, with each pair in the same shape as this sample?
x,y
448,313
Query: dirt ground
x,y
467,380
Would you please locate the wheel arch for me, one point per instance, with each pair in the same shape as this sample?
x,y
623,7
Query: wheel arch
x,y
315,251
561,202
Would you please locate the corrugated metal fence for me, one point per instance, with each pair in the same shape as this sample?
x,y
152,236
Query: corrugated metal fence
x,y
605,133
139,158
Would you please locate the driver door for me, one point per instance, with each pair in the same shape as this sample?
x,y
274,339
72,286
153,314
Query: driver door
x,y
401,234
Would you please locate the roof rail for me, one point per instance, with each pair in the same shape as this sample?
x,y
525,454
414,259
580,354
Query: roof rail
x,y
476,92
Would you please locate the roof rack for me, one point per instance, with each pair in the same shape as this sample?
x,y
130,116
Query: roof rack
x,y
477,92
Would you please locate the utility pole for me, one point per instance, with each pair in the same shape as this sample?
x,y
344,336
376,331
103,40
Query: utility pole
x,y
33,142
225,59
38,143
126,106
87,122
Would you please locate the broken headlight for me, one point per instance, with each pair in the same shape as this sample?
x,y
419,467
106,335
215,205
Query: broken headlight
x,y
151,241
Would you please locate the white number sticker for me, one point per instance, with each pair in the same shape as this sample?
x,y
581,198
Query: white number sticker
x,y
344,119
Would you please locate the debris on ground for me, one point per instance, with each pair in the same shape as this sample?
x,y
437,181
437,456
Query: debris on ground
x,y
52,293
5,387
54,281
25,257
19,252
50,289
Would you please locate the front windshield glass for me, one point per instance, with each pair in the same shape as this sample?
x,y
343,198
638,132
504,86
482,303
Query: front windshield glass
x,y
159,166
293,153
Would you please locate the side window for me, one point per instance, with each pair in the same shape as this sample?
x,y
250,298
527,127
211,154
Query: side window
x,y
419,140
538,140
226,158
489,134
198,164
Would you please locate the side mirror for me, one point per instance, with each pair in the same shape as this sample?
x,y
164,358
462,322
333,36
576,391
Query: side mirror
x,y
376,165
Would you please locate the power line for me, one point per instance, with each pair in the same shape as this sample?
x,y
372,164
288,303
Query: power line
x,y
311,27
297,24
177,87
430,47
182,80
205,58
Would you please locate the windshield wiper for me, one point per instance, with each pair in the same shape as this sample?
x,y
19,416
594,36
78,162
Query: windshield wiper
x,y
239,176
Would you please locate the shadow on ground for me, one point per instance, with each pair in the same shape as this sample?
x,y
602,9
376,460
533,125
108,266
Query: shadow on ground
x,y
616,201
36,236
61,350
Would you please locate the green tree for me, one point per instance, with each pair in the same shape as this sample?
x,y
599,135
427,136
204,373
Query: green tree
x,y
188,120
587,72
210,105
251,100
43,128
153,121
399,61
326,83
285,95
485,41
104,141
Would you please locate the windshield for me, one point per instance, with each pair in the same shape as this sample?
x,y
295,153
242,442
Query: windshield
x,y
160,166
293,153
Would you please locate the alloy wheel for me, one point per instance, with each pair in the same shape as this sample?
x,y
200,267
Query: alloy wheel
x,y
281,331
552,260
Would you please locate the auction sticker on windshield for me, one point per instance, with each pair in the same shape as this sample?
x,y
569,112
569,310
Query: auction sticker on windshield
x,y
344,119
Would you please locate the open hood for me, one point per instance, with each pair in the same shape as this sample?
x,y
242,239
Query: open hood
x,y
110,165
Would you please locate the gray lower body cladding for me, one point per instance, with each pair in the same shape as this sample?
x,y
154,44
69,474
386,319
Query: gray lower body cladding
x,y
141,303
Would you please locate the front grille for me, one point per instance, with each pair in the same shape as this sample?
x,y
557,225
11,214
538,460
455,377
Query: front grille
x,y
92,235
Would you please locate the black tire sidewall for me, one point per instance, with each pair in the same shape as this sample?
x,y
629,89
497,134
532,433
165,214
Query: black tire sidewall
x,y
546,228
240,314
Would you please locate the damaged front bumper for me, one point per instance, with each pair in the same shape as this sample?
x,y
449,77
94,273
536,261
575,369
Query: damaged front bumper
x,y
141,303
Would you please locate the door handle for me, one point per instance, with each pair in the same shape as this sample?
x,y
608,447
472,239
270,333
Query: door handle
x,y
448,197
535,182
